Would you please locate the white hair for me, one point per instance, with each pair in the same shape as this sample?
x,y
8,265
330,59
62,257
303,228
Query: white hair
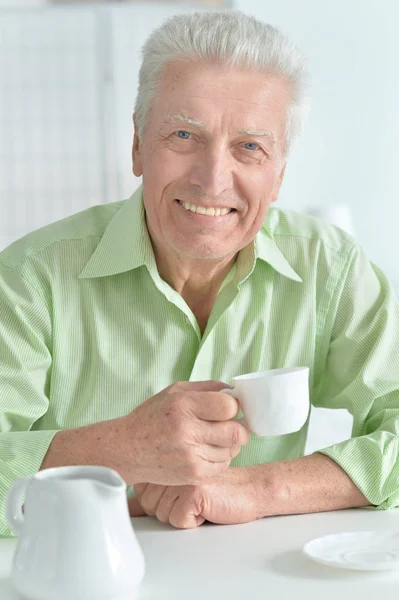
x,y
229,38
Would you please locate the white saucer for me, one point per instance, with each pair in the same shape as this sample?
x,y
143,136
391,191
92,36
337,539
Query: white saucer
x,y
359,550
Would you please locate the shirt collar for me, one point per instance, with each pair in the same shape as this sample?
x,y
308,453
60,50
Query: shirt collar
x,y
126,245
267,250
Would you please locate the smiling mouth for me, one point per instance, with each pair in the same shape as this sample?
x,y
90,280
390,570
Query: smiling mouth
x,y
209,212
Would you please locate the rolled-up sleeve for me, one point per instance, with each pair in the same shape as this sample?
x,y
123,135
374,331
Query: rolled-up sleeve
x,y
25,367
361,374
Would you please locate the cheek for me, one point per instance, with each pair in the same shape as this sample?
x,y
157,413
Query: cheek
x,y
165,167
258,187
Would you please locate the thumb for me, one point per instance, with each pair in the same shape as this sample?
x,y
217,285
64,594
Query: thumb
x,y
202,386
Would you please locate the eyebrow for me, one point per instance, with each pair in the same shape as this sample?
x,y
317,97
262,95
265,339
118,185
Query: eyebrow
x,y
179,118
183,119
257,133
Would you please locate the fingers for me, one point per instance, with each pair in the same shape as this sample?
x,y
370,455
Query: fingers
x,y
178,505
204,399
135,510
151,497
186,510
139,488
213,469
225,434
216,454
198,386
212,406
164,507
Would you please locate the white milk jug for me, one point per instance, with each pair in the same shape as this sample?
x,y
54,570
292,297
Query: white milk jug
x,y
76,540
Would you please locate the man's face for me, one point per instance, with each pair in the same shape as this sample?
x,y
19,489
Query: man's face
x,y
214,140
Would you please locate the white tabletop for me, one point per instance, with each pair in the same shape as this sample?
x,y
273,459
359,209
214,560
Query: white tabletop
x,y
261,560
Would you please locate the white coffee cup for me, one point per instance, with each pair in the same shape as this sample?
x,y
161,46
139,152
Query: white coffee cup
x,y
274,402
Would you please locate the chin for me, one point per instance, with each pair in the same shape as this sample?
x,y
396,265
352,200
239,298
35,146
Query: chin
x,y
201,252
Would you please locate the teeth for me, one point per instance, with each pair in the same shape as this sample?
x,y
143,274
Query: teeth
x,y
212,212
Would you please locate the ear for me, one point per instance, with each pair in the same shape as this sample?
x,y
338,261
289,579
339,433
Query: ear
x,y
136,151
279,182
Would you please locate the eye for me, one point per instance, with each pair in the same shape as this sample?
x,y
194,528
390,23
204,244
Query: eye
x,y
251,146
184,135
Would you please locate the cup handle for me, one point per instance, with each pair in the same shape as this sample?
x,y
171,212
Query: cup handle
x,y
241,420
14,514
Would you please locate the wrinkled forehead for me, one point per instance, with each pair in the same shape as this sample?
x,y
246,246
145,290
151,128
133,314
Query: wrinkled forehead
x,y
205,92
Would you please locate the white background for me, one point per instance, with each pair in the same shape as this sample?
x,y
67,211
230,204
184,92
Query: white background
x,y
350,150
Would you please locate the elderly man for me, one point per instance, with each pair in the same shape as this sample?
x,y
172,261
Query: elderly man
x,y
121,325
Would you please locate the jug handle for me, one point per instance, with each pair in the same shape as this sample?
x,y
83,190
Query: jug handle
x,y
14,514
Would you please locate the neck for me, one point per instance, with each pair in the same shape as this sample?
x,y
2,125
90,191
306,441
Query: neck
x,y
193,279
197,281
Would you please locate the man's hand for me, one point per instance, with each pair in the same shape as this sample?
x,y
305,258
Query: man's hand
x,y
183,434
313,483
227,499
179,436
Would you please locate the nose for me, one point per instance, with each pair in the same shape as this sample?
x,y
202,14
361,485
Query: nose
x,y
213,171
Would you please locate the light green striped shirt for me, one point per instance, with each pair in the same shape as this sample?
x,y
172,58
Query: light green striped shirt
x,y
89,330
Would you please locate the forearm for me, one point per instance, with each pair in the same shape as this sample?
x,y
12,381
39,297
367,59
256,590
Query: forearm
x,y
309,484
95,444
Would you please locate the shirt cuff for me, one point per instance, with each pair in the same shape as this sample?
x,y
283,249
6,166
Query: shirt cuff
x,y
372,462
21,454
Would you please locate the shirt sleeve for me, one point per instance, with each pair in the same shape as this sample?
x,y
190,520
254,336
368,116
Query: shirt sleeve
x,y
361,374
25,363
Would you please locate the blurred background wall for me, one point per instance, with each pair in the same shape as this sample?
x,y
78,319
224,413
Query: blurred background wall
x,y
68,79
